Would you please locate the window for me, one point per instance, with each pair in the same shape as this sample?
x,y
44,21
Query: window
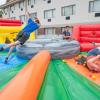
x,y
22,18
21,4
49,1
63,29
49,31
12,8
5,11
94,6
49,14
31,2
68,10
33,15
91,6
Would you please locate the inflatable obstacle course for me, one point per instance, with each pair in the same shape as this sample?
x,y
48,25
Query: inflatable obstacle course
x,y
10,33
6,33
42,79
58,48
86,35
12,36
64,83
29,90
93,76
9,29
61,82
10,22
7,37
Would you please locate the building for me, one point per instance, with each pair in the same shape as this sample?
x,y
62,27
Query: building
x,y
54,14
1,14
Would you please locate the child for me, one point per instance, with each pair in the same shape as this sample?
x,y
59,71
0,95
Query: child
x,y
22,36
66,33
92,61
93,57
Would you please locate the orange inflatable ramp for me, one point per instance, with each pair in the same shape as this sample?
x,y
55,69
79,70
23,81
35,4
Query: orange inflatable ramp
x,y
93,76
26,84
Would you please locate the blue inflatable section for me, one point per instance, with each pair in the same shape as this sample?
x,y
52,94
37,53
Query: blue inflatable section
x,y
12,62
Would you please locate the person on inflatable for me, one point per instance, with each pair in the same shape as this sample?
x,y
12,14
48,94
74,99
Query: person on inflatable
x,y
66,33
92,60
22,36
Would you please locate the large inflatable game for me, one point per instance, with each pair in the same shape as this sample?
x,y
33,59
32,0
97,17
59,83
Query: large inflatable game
x,y
45,69
86,35
9,29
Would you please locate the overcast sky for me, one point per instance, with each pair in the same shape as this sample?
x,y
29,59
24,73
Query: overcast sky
x,y
2,2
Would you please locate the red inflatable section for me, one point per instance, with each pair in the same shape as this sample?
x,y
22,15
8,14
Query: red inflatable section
x,y
10,22
86,35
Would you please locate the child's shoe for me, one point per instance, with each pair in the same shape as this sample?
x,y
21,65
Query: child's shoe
x,y
1,48
6,60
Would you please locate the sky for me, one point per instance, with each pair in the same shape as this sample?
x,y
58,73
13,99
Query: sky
x,y
2,2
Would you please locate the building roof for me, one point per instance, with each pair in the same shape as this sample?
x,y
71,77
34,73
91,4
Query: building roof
x,y
9,2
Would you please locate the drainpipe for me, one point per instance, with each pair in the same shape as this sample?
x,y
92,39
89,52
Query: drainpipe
x,y
9,11
26,9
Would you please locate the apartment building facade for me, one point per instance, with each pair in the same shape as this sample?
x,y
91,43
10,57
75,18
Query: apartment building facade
x,y
54,14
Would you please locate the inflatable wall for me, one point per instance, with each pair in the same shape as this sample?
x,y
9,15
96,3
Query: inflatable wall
x,y
9,29
86,35
58,48
10,22
8,33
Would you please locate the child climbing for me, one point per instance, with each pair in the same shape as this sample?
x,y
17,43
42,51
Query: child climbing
x,y
22,36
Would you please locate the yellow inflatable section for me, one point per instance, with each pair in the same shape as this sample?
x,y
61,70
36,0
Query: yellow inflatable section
x,y
8,33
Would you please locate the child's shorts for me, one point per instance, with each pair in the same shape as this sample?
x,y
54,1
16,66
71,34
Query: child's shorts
x,y
22,37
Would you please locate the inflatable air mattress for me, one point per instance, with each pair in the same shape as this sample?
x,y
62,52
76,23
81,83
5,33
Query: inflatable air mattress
x,y
58,48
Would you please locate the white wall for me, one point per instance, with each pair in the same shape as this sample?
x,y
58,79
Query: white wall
x,y
82,15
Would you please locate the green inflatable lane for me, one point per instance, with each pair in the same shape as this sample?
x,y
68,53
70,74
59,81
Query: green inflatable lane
x,y
63,83
60,83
